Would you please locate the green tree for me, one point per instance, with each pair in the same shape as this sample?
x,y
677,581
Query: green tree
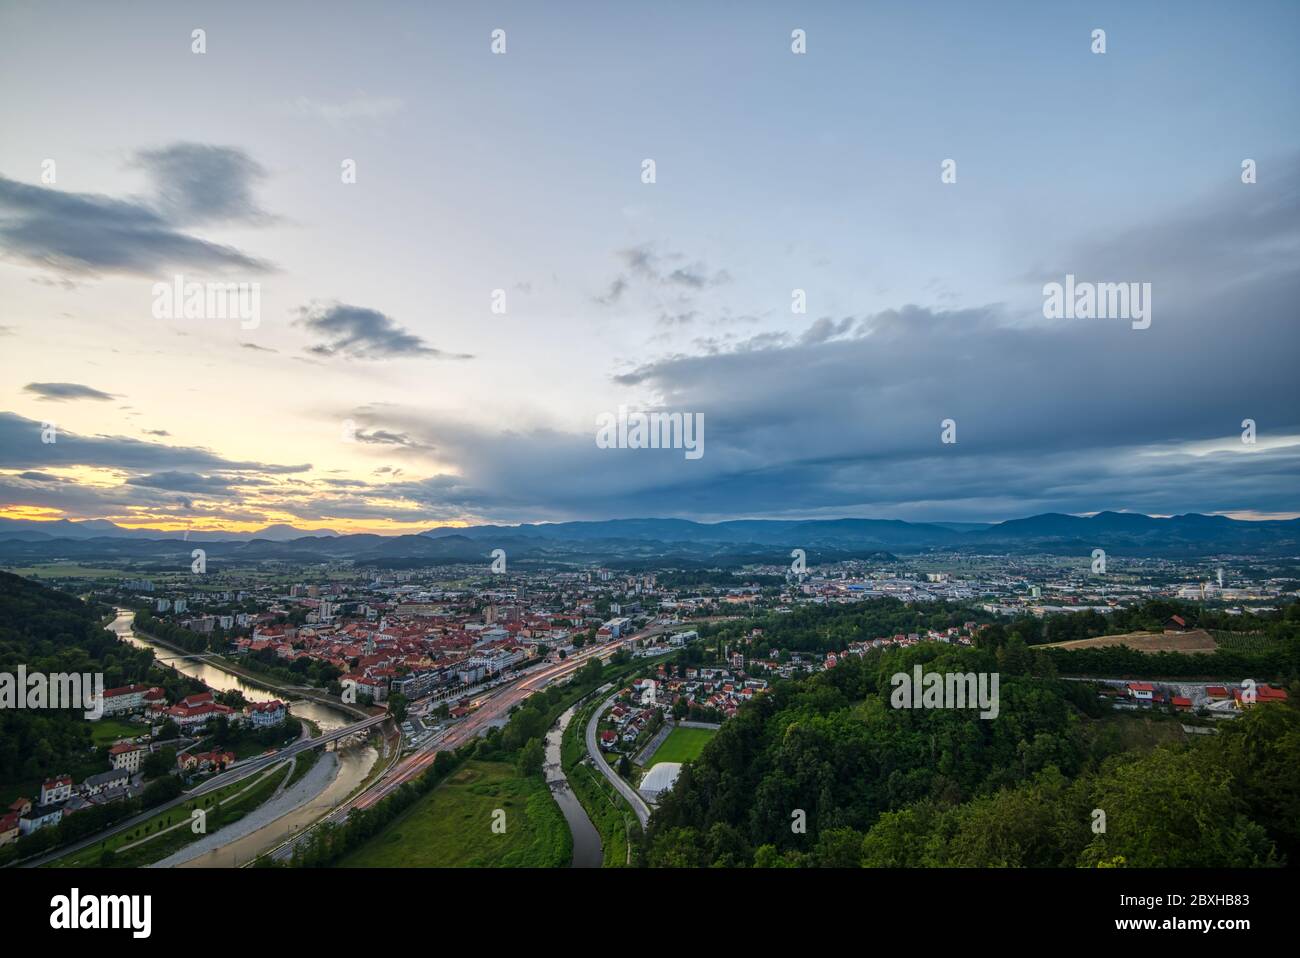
x,y
397,706
531,758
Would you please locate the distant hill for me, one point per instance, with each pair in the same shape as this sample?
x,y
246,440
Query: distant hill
x,y
632,543
102,528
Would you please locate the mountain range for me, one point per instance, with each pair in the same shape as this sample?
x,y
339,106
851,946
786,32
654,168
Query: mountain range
x,y
630,542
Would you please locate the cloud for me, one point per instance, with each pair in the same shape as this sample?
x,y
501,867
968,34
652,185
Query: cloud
x,y
617,287
843,416
63,392
383,437
197,483
91,234
826,329
359,333
659,274
184,482
199,183
21,448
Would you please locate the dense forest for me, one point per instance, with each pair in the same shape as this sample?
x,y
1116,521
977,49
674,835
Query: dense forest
x,y
51,632
878,786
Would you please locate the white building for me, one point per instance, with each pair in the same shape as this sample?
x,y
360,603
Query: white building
x,y
266,714
56,790
126,755
42,816
659,779
128,698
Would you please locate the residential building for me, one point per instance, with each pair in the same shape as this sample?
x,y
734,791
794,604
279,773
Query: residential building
x,y
56,790
127,755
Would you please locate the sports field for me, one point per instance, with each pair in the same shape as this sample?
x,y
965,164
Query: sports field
x,y
683,745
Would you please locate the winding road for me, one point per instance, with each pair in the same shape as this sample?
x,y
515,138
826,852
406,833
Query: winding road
x,y
627,791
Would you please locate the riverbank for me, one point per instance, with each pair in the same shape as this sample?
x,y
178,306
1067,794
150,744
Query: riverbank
x,y
317,779
250,676
216,674
605,808
586,839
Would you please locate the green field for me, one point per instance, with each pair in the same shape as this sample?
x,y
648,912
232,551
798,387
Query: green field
x,y
451,827
107,731
683,745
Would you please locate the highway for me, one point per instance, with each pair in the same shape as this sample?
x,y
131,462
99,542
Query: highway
x,y
496,705
593,749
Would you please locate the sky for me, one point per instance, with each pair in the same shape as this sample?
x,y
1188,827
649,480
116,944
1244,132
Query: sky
x,y
438,335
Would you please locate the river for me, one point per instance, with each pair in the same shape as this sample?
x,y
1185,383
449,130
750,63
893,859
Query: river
x,y
353,764
324,716
586,840
335,776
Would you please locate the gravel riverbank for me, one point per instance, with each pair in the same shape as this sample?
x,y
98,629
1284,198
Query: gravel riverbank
x,y
303,791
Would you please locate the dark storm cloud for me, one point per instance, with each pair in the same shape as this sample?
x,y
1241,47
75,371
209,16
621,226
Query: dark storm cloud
x,y
90,233
63,392
359,333
844,416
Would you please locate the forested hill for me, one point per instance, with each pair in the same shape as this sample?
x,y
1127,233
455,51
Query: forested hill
x,y
933,787
49,631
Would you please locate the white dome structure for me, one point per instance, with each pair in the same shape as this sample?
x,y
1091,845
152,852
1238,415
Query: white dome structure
x,y
659,779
